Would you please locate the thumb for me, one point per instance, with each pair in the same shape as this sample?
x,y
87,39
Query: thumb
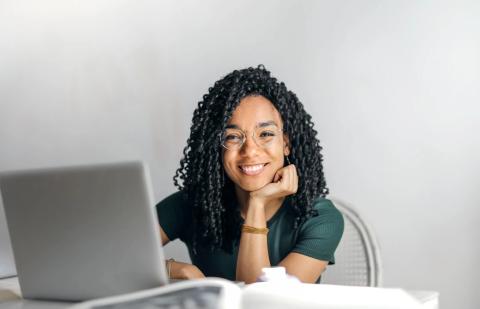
x,y
278,175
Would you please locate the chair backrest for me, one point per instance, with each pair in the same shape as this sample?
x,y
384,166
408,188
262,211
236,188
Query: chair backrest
x,y
357,258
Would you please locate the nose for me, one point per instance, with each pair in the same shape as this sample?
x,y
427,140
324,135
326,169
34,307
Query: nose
x,y
249,147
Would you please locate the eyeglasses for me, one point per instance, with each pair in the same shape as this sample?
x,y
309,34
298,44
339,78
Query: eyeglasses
x,y
233,139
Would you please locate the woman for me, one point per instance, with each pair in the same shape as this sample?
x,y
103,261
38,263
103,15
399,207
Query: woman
x,y
252,191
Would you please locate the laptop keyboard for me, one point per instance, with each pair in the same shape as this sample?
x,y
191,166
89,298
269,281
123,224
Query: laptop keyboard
x,y
190,298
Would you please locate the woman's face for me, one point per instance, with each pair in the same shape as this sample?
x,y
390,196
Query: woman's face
x,y
253,166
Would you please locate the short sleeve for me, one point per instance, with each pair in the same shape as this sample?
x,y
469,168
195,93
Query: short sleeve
x,y
319,236
173,213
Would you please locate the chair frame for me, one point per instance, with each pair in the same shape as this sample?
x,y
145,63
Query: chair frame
x,y
369,242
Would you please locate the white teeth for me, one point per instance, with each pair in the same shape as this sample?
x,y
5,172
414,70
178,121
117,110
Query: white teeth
x,y
252,168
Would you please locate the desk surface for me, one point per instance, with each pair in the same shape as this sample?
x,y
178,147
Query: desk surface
x,y
10,298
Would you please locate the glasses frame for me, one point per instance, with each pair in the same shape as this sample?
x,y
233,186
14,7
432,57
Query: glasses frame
x,y
244,139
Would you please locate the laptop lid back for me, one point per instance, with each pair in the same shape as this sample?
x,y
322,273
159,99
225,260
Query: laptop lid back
x,y
83,232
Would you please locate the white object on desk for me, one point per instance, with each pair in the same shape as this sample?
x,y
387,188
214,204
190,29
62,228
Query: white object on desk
x,y
428,299
276,273
189,294
267,295
313,296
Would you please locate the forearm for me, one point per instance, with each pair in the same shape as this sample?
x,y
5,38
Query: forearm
x,y
253,249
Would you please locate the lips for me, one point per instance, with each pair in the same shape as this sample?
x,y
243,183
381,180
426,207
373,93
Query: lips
x,y
252,169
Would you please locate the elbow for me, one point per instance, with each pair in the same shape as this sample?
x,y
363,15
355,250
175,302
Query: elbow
x,y
246,278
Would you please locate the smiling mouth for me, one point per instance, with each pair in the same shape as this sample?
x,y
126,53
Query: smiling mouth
x,y
252,170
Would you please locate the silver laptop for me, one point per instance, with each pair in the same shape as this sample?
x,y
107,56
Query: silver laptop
x,y
83,232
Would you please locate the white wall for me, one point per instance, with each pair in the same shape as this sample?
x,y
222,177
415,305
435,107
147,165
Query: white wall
x,y
393,87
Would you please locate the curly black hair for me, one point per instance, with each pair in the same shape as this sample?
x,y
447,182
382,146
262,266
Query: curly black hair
x,y
215,211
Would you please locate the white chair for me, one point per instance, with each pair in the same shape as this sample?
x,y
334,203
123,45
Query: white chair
x,y
357,258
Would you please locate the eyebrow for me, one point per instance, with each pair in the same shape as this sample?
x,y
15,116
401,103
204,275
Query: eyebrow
x,y
260,124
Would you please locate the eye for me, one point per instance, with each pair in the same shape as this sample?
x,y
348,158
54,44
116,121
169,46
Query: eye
x,y
232,138
267,134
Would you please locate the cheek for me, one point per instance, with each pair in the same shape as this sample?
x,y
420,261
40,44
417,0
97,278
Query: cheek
x,y
228,164
277,156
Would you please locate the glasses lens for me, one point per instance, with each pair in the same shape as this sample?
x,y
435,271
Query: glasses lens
x,y
265,135
232,139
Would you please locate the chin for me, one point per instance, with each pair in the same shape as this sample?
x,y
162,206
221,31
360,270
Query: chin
x,y
250,188
253,185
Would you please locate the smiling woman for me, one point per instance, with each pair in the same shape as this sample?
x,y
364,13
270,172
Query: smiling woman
x,y
251,186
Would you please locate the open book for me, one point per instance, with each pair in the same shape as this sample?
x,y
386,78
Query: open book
x,y
223,294
192,294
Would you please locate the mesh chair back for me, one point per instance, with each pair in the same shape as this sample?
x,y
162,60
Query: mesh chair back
x,y
357,258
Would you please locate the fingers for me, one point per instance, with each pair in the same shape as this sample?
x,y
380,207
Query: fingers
x,y
284,183
277,176
287,178
294,179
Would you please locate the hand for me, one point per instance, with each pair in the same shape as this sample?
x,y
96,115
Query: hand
x,y
179,270
285,182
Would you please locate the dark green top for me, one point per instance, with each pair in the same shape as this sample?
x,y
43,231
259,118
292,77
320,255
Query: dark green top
x,y
317,237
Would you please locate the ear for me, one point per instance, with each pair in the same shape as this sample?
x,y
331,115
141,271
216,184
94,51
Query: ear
x,y
286,145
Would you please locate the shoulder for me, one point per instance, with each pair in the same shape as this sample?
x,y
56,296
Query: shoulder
x,y
328,221
320,235
173,213
324,205
177,199
175,205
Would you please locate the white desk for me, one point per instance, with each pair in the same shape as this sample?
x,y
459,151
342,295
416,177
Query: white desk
x,y
10,298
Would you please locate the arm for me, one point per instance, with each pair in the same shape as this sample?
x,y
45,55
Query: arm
x,y
172,214
164,237
253,249
179,270
305,268
316,244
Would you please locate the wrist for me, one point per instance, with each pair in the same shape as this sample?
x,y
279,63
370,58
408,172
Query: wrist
x,y
169,265
254,230
190,271
255,216
256,202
